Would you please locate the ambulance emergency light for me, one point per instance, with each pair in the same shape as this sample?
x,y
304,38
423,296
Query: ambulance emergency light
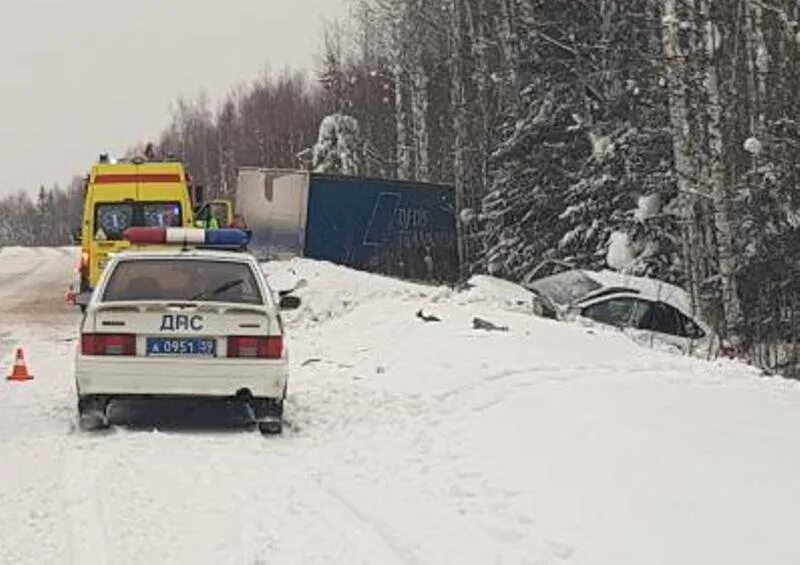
x,y
188,236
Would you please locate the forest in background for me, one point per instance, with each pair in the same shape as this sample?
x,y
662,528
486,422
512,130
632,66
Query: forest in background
x,y
658,137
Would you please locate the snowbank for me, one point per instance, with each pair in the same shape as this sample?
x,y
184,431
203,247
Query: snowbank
x,y
417,442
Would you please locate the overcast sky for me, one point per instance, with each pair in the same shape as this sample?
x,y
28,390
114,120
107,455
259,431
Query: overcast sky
x,y
78,77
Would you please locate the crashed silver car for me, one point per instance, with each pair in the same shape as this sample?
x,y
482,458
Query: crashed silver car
x,y
649,310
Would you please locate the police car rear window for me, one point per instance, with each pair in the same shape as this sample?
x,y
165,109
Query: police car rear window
x,y
185,280
113,218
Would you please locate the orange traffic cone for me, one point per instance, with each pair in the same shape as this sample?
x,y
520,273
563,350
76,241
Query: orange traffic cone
x,y
20,370
69,296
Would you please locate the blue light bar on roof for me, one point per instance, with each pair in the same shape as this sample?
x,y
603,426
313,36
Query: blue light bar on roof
x,y
228,237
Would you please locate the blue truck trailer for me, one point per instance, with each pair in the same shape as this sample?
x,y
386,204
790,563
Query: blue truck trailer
x,y
401,228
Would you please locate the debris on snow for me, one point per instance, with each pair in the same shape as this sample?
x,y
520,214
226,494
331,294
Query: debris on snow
x,y
427,317
481,324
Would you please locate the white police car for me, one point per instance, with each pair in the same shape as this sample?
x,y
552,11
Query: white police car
x,y
183,323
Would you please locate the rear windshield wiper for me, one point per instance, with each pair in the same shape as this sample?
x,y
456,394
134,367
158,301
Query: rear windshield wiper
x,y
220,289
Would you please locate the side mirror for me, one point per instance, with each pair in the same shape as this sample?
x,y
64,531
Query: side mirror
x,y
290,302
75,233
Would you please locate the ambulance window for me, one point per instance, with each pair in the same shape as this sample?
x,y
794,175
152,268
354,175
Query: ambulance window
x,y
162,215
111,220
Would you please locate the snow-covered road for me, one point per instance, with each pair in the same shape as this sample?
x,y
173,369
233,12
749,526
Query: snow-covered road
x,y
409,443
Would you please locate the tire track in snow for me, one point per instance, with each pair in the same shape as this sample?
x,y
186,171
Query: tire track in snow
x,y
373,543
83,511
541,375
11,282
32,282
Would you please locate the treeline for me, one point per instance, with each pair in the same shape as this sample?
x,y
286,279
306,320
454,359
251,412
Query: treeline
x,y
653,136
657,136
272,122
47,220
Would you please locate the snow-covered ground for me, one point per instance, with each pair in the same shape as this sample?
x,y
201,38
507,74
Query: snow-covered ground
x,y
409,443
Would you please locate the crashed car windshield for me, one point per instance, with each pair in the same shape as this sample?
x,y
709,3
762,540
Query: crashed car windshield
x,y
190,280
565,288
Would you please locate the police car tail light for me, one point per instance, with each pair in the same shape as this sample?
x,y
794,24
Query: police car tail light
x,y
108,344
270,347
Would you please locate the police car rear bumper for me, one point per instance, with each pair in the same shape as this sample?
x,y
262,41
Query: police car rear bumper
x,y
180,377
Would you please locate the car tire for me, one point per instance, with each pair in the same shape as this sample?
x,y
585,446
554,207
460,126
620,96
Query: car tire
x,y
92,413
268,414
270,428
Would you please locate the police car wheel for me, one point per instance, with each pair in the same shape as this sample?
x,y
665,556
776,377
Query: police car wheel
x,y
92,413
268,413
270,427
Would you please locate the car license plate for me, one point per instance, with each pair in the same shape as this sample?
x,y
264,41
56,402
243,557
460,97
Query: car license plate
x,y
181,346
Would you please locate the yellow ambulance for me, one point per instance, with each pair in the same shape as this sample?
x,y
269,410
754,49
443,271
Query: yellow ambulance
x,y
135,193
